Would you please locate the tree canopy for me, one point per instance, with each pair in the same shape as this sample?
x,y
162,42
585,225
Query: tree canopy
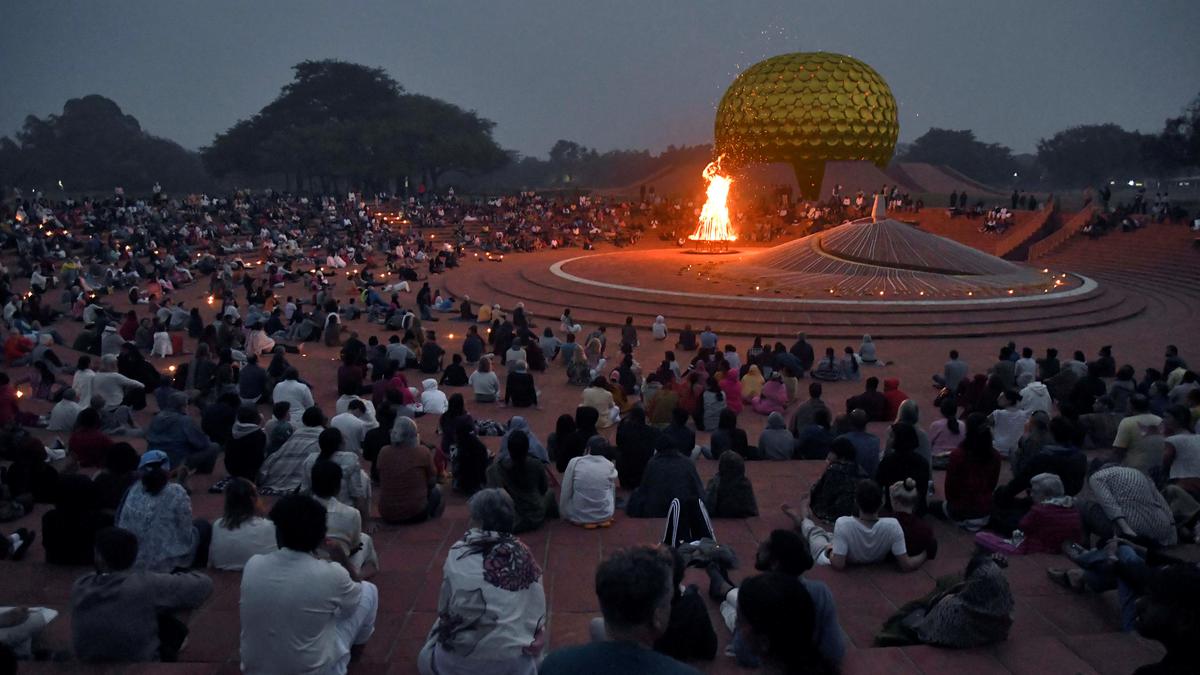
x,y
1093,154
988,162
342,122
93,145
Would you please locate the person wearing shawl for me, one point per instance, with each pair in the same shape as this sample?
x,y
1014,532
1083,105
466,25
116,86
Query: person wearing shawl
x,y
729,494
536,449
491,615
752,384
1049,523
773,397
968,611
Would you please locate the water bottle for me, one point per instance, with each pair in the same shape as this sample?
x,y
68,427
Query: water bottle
x,y
1017,537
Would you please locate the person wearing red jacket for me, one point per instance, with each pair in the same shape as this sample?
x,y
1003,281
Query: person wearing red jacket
x,y
894,395
971,476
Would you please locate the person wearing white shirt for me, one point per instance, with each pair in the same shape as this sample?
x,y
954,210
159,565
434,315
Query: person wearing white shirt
x,y
110,385
354,426
82,382
299,613
1008,423
240,533
589,487
296,393
1026,365
62,416
857,540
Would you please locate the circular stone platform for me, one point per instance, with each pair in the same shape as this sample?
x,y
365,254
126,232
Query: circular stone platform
x,y
867,261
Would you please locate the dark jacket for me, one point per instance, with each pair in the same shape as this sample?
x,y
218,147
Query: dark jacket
x,y
833,494
873,403
729,493
669,475
635,447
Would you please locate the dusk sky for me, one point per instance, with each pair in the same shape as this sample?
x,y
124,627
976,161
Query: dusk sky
x,y
609,74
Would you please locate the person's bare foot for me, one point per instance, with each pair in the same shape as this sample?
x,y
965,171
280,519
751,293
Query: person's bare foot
x,y
798,514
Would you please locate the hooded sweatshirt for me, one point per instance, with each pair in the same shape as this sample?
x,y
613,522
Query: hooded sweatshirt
x,y
894,395
245,451
729,493
776,442
1034,397
433,401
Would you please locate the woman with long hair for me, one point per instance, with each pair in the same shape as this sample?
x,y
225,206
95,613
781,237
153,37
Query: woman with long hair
x,y
524,479
241,531
712,404
947,432
971,476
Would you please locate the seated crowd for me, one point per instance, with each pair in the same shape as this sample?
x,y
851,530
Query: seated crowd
x,y
1102,467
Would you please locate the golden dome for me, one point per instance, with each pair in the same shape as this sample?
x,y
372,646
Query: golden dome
x,y
807,109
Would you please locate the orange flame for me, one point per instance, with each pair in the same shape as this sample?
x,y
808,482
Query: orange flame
x,y
714,217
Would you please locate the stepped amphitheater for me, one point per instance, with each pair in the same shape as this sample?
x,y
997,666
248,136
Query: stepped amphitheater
x,y
936,279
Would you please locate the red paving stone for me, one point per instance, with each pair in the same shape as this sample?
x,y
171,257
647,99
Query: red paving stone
x,y
1054,631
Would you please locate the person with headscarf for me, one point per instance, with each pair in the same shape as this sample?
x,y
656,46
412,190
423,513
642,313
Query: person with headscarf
x,y
491,614
659,329
536,449
751,383
588,494
1049,523
772,399
729,494
866,351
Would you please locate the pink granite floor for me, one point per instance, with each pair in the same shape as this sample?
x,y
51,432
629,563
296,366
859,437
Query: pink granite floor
x,y
1054,632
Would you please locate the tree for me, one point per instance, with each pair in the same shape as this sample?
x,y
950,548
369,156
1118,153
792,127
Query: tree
x,y
1178,146
1093,154
93,145
346,122
959,149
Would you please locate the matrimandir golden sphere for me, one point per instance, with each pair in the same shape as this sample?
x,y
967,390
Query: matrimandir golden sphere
x,y
806,109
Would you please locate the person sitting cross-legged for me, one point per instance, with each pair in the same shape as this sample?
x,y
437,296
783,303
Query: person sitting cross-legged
x,y
300,613
121,614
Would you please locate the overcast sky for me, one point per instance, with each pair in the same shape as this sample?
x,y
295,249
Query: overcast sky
x,y
608,73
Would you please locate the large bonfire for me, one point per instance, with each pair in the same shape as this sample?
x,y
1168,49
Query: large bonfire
x,y
714,227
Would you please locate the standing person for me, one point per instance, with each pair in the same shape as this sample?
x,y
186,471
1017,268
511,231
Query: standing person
x,y
125,615
299,613
634,590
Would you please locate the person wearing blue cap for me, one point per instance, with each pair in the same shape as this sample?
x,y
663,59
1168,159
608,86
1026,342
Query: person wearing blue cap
x,y
159,513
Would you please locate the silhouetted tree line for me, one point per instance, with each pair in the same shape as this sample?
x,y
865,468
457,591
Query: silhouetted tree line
x,y
339,126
